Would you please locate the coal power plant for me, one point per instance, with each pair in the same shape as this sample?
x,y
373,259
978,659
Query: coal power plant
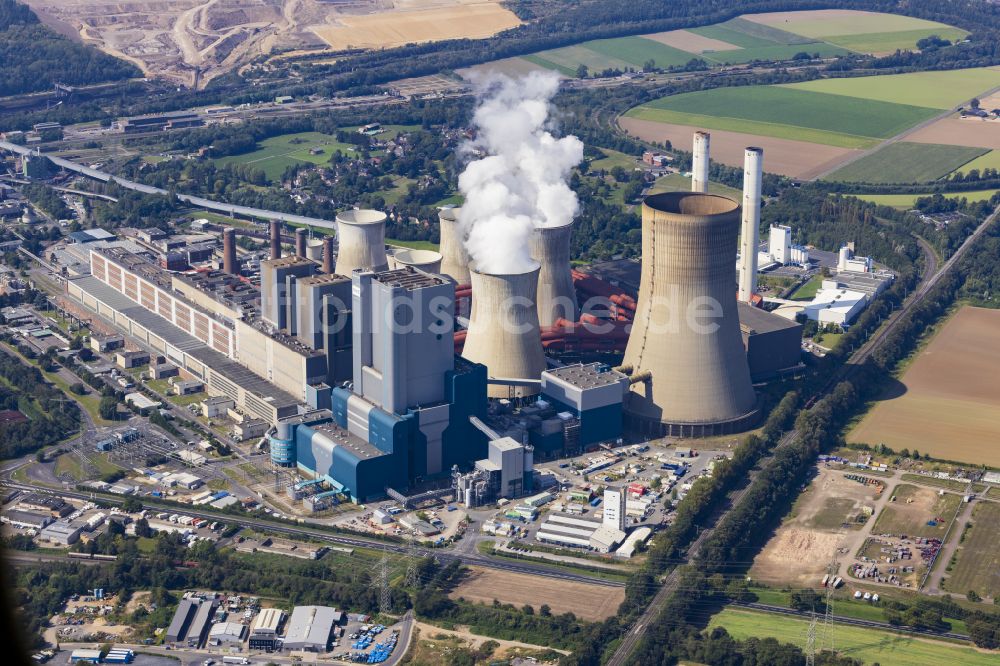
x,y
556,297
454,257
685,337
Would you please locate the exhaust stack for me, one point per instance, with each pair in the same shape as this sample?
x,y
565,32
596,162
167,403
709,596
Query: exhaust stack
x,y
699,162
328,255
454,258
229,264
361,234
556,297
686,332
753,168
275,239
300,243
503,330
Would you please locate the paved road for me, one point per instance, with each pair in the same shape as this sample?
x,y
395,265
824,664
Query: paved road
x,y
638,630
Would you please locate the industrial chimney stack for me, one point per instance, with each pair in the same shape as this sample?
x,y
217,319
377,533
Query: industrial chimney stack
x,y
503,330
229,264
556,297
328,255
454,258
275,239
699,162
686,337
753,160
361,234
301,236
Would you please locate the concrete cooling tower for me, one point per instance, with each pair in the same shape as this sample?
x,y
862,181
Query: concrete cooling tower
x,y
361,234
686,333
314,249
556,297
428,261
454,258
503,330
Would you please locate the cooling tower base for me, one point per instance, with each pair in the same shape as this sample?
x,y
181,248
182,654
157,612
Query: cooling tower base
x,y
649,427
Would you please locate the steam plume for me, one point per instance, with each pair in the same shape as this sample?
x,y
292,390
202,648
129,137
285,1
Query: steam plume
x,y
521,183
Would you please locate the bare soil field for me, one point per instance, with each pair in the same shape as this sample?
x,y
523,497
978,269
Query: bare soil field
x,y
972,132
400,26
951,405
797,159
803,546
690,41
589,602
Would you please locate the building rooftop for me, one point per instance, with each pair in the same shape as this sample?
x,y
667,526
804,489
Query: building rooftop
x,y
310,625
590,375
351,443
755,320
287,261
409,278
322,278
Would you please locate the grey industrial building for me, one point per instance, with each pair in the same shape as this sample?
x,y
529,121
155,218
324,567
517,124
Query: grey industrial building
x,y
191,621
309,628
773,343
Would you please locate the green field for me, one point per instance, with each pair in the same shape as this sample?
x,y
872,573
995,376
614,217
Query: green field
x,y
612,159
677,182
726,32
414,244
937,90
638,50
899,517
887,42
777,52
869,645
907,163
857,24
978,564
990,160
908,201
767,32
807,291
278,153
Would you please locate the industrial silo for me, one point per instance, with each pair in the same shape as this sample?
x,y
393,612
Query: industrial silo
x,y
556,297
685,348
361,238
503,330
454,258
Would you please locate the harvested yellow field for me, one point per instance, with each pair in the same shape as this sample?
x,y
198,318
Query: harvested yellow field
x,y
473,20
691,42
949,403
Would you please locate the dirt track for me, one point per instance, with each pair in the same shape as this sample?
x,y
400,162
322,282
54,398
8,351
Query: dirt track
x,y
797,159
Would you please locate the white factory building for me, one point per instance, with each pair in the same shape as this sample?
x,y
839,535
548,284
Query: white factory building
x,y
309,628
781,250
600,535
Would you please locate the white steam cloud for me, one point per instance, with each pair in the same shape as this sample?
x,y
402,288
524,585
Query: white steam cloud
x,y
521,183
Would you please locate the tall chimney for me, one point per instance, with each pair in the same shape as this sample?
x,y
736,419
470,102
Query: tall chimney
x,y
753,161
454,258
503,330
556,297
328,254
361,234
275,239
300,243
229,251
699,162
686,331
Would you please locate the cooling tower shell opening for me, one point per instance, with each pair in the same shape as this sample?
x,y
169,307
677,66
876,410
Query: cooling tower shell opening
x,y
454,258
361,237
700,381
556,296
503,330
314,249
428,261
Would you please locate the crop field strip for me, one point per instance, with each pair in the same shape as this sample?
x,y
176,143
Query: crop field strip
x,y
864,643
936,90
990,160
905,162
977,566
908,201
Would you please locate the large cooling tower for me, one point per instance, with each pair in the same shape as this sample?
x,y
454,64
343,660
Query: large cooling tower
x,y
556,297
361,234
700,162
428,261
454,258
753,159
503,330
686,333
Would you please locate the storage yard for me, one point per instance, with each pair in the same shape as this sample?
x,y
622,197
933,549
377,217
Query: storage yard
x,y
588,602
950,408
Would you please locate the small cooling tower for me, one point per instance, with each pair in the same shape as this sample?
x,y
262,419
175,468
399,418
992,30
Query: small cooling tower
x,y
314,249
753,173
454,258
503,330
700,161
361,234
428,261
556,297
686,333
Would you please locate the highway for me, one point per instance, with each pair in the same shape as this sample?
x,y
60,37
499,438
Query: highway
x,y
352,541
638,629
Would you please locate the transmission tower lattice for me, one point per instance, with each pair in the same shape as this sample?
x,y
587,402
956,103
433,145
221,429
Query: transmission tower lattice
x,y
412,555
811,642
382,580
828,612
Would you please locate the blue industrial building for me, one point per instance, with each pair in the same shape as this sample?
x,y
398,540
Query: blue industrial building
x,y
405,416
